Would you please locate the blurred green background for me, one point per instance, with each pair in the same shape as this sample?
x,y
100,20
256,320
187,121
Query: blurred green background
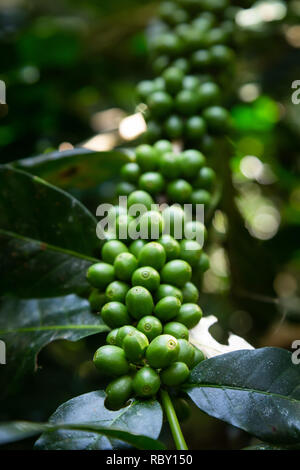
x,y
70,68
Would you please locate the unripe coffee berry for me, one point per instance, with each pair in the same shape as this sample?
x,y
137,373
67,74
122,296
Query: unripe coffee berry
x,y
112,249
122,333
146,157
152,254
167,308
146,382
139,302
190,293
115,314
186,352
147,277
111,360
118,392
189,315
166,290
125,264
100,275
135,345
162,351
175,374
171,247
152,182
150,326
176,272
176,329
116,291
179,191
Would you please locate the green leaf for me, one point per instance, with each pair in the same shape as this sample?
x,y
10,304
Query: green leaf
x,y
27,326
47,238
139,418
17,430
255,390
77,168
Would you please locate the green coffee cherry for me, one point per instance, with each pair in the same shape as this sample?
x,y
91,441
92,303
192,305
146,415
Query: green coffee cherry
x,y
122,226
173,79
186,352
205,179
139,302
115,314
153,131
152,182
190,162
111,338
147,277
167,308
186,102
175,374
171,247
111,250
199,357
150,326
135,346
160,63
217,119
146,382
168,43
166,290
190,293
144,89
169,165
152,254
191,82
195,230
140,197
203,264
174,126
200,196
201,59
100,275
176,272
179,191
111,360
221,55
124,188
131,172
190,251
189,315
176,329
160,103
163,146
118,392
146,157
182,64
116,291
208,94
162,351
151,225
195,127
136,246
174,220
97,300
125,264
122,333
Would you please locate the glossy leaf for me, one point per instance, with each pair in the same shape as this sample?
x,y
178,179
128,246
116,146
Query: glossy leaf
x,y
77,168
257,391
18,430
27,326
47,238
139,418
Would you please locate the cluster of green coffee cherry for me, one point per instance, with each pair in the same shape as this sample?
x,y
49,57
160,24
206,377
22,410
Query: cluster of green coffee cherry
x,y
192,57
143,288
183,176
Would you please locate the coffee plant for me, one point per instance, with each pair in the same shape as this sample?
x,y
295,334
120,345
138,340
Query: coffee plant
x,y
65,277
